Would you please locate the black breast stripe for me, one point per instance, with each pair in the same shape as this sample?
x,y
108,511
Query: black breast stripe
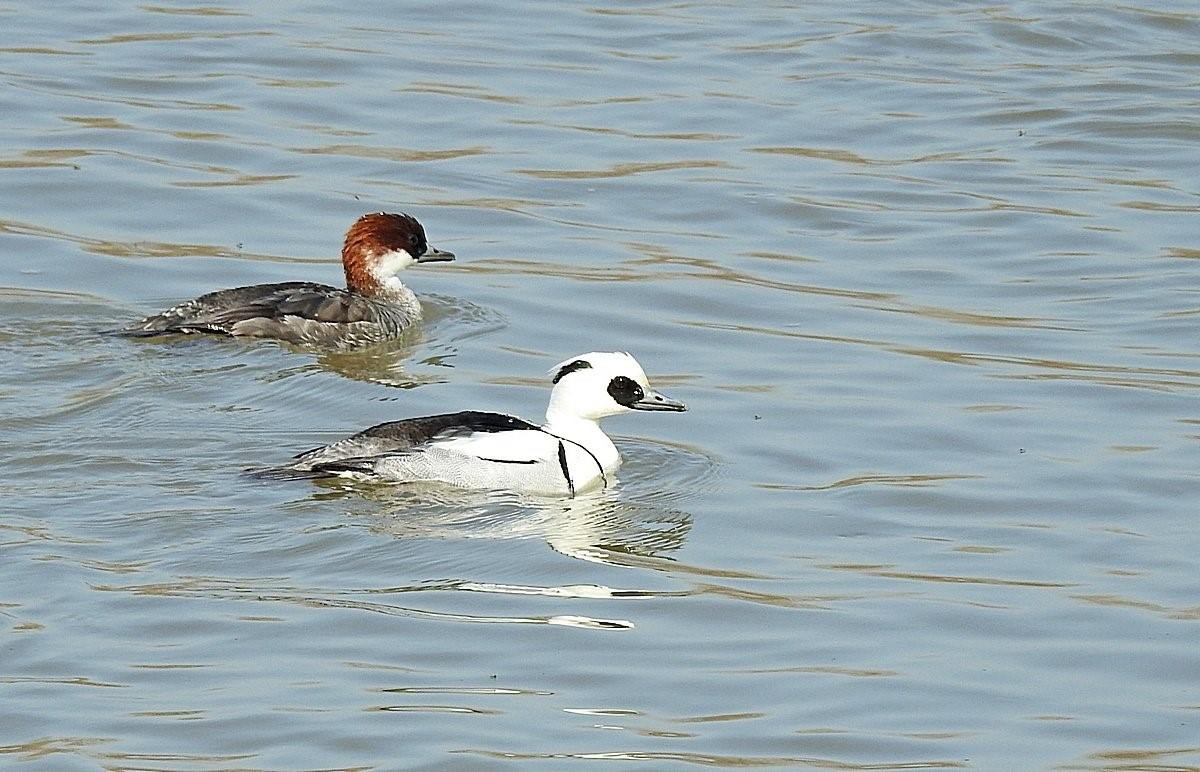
x,y
562,463
562,457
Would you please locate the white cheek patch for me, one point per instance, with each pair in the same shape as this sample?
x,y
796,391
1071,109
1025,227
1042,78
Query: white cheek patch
x,y
391,263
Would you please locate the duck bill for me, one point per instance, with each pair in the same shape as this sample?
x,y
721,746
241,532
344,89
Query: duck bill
x,y
435,255
653,400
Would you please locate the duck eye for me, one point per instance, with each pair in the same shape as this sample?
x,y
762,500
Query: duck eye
x,y
625,391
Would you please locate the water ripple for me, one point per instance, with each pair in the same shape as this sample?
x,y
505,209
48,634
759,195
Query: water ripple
x,y
924,274
716,760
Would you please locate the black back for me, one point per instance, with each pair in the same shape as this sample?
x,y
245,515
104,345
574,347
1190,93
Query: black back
x,y
410,432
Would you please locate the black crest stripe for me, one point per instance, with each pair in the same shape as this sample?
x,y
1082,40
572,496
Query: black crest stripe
x,y
569,368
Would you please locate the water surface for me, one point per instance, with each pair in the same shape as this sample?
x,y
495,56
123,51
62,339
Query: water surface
x,y
925,275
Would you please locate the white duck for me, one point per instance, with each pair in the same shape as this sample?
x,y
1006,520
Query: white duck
x,y
471,449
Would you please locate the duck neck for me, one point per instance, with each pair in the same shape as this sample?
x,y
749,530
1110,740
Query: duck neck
x,y
390,290
393,290
585,432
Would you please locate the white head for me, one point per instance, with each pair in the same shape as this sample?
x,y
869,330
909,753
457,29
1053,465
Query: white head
x,y
380,245
603,383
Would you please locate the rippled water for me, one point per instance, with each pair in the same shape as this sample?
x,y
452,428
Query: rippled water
x,y
925,275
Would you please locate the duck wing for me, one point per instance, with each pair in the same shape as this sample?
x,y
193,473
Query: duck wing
x,y
522,460
413,434
268,310
465,450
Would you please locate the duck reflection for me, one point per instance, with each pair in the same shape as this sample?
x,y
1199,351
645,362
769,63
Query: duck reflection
x,y
383,364
447,321
598,526
638,521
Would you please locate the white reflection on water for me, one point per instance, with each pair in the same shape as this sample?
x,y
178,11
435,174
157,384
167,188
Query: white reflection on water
x,y
638,516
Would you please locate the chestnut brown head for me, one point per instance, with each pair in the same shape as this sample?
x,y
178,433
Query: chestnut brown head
x,y
380,245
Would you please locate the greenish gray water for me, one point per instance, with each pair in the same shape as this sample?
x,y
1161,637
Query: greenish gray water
x,y
925,275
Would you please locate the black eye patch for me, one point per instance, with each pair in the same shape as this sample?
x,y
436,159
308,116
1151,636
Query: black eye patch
x,y
569,368
625,391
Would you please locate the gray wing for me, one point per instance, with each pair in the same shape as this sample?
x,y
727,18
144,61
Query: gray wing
x,y
269,310
402,436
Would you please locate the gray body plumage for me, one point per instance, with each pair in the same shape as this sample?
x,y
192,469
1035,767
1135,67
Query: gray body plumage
x,y
297,312
374,307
